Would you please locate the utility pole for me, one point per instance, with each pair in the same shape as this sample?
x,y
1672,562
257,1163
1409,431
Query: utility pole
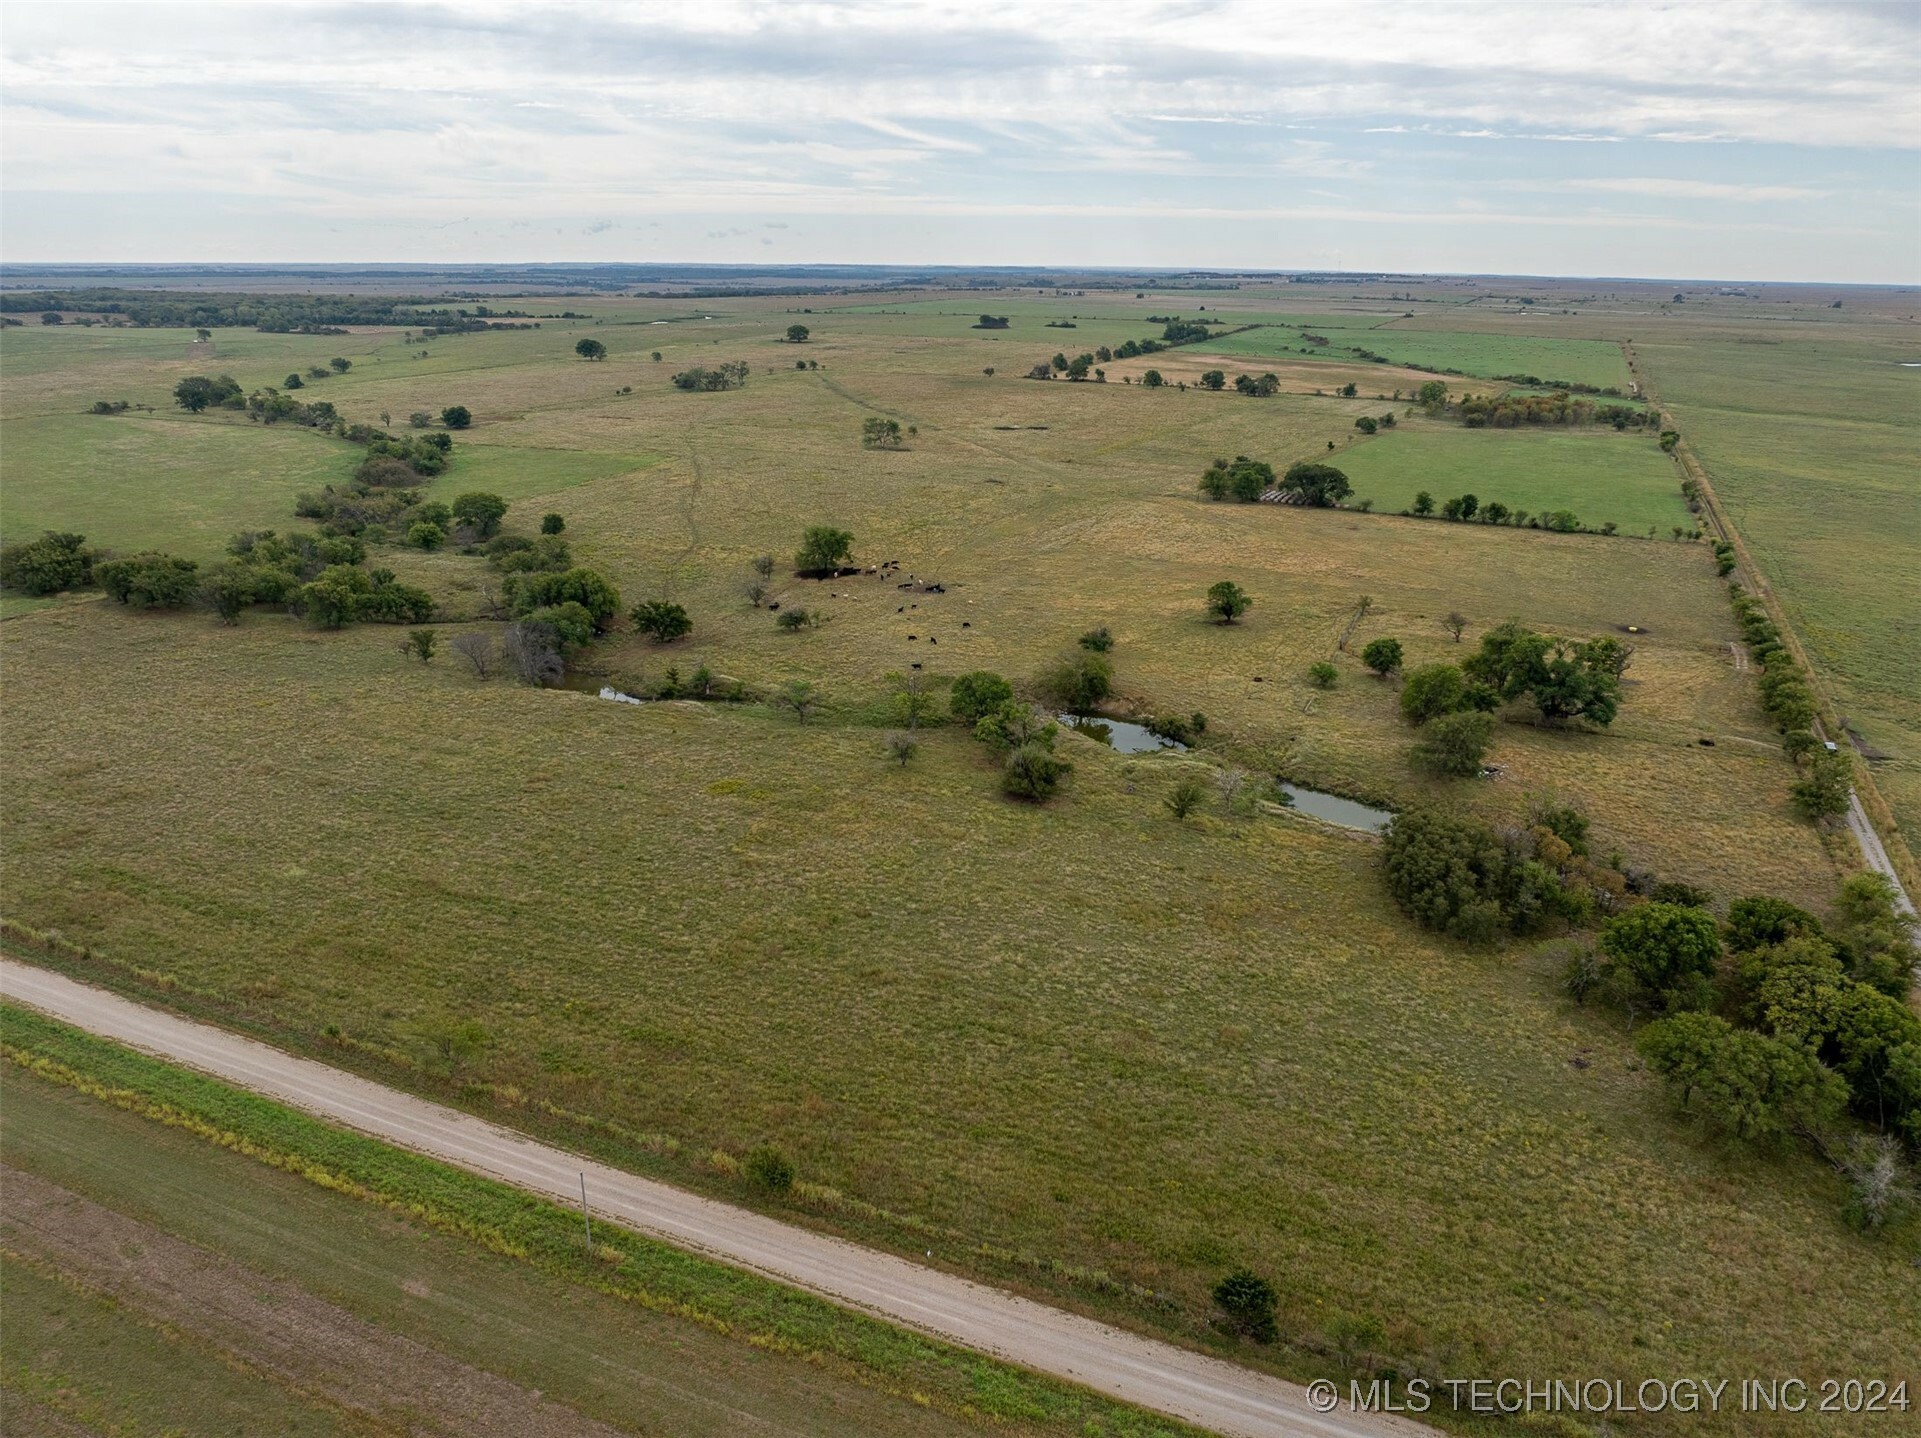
x,y
585,1220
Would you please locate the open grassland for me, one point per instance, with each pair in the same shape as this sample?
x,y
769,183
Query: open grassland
x,y
1810,431
1045,1043
1087,1034
1599,475
1595,362
108,1323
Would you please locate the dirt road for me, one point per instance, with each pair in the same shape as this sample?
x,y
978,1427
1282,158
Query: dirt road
x,y
1874,853
1155,1375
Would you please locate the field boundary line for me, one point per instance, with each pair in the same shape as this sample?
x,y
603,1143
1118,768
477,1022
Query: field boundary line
x,y
1147,1372
1876,813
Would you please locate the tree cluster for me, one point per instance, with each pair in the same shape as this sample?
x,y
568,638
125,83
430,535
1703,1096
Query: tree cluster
x,y
1564,679
731,375
47,565
1827,777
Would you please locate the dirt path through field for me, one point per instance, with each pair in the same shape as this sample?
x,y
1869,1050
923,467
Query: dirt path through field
x,y
269,1324
1153,1374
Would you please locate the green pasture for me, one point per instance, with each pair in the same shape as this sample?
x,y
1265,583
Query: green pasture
x,y
1594,362
1598,474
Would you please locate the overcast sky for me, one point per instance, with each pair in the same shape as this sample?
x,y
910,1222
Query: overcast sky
x,y
1741,139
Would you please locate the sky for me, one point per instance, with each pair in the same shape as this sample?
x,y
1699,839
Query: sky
x,y
1733,139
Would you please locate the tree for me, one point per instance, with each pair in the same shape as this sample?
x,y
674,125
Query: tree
x,y
1432,395
585,587
1186,796
1227,601
974,696
480,512
1152,379
339,365
293,381
53,317
203,335
422,644
1367,424
478,649
573,627
1431,691
1248,1301
662,621
1663,955
456,416
793,620
198,392
420,419
1757,1089
901,747
988,371
533,650
1099,640
910,698
656,356
1382,655
797,334
552,523
1563,679
1823,792
1446,873
47,565
1455,623
823,549
1322,674
1033,771
1423,504
878,433
799,696
1214,379
1321,485
1455,744
1078,681
1762,921
591,349
227,589
1245,480
424,534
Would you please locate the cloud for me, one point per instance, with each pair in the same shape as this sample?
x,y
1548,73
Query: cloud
x,y
607,114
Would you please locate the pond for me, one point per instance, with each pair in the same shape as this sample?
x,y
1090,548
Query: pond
x,y
1119,734
1333,809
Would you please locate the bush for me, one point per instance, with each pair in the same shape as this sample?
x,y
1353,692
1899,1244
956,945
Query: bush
x,y
1455,744
1077,682
1823,793
1245,480
1383,656
1662,955
976,695
1098,640
572,625
1763,921
770,1168
552,523
1248,1300
793,620
425,534
663,621
1033,771
227,589
149,581
1431,691
1186,796
456,416
48,564
1322,674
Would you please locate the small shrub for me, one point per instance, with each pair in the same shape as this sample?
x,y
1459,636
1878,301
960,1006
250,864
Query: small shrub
x,y
1033,771
1186,796
422,644
1322,674
1099,641
769,1167
1248,1300
976,695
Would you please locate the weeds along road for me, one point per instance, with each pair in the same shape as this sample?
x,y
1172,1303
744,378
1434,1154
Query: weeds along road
x,y
1160,1376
